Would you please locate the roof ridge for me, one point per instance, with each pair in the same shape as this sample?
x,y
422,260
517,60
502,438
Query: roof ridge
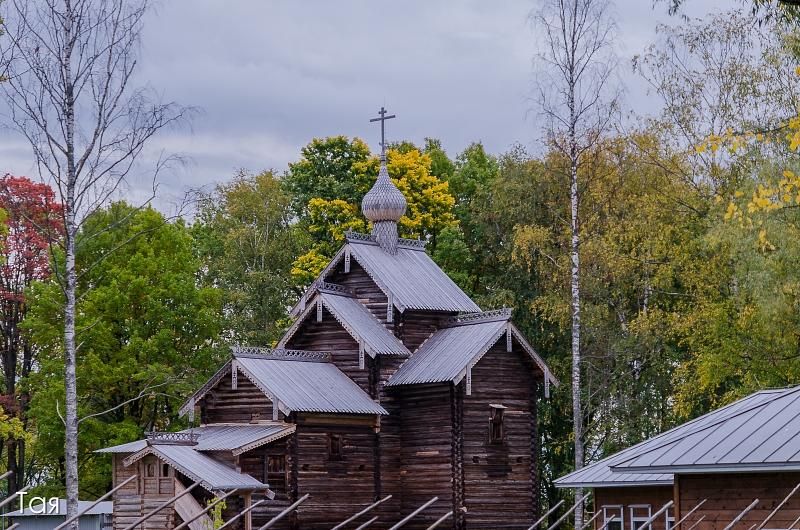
x,y
351,236
465,319
279,354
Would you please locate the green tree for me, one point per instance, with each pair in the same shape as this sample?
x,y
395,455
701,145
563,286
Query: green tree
x,y
149,335
247,243
326,219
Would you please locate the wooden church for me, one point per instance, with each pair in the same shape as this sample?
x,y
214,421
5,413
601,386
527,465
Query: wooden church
x,y
391,381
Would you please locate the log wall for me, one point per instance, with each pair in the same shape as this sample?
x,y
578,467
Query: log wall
x,y
426,454
728,494
499,477
223,404
144,494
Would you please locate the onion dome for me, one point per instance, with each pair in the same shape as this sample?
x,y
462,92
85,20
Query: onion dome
x,y
384,202
384,205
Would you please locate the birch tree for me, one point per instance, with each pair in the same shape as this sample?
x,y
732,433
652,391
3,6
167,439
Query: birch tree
x,y
577,104
69,66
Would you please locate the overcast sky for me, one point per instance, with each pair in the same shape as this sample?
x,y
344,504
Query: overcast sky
x,y
268,76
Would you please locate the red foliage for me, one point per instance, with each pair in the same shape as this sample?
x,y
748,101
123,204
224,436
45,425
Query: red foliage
x,y
34,220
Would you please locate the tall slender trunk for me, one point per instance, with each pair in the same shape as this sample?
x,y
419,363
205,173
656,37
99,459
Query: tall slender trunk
x,y
575,302
71,231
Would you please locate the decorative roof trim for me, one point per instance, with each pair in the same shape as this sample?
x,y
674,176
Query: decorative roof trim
x,y
290,429
172,438
280,354
357,237
465,319
548,376
153,450
342,322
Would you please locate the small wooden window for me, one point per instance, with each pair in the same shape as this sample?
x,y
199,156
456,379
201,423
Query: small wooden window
x,y
276,464
165,470
613,517
496,424
334,447
150,471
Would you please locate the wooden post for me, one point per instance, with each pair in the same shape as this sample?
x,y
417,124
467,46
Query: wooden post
x,y
655,515
285,512
440,520
367,523
413,514
778,507
546,515
242,514
199,515
362,512
95,503
248,518
697,523
742,514
597,514
690,512
579,502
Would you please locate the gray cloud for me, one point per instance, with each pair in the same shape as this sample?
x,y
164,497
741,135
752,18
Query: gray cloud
x,y
269,76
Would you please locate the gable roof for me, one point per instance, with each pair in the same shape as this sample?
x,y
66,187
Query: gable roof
x,y
449,353
212,474
235,437
295,381
606,473
356,319
410,278
759,433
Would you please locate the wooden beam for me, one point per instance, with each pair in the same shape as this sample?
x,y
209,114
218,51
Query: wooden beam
x,y
14,526
367,523
248,518
579,502
697,523
11,498
160,507
778,507
242,514
441,519
655,515
413,514
285,512
590,521
95,503
6,475
199,515
546,515
362,512
610,520
741,515
690,512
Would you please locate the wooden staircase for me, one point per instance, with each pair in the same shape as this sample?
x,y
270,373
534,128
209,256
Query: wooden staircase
x,y
187,507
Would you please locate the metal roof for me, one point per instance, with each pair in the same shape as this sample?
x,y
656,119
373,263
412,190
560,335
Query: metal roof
x,y
103,507
212,474
605,473
302,384
238,438
411,278
449,352
130,447
357,320
759,433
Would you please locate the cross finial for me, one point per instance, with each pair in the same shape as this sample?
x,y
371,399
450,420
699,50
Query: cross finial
x,y
382,118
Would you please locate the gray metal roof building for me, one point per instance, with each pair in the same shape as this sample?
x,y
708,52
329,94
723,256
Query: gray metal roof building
x,y
759,433
751,433
96,518
212,475
450,352
357,320
431,289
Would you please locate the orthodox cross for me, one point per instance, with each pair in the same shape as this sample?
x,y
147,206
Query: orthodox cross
x,y
383,117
